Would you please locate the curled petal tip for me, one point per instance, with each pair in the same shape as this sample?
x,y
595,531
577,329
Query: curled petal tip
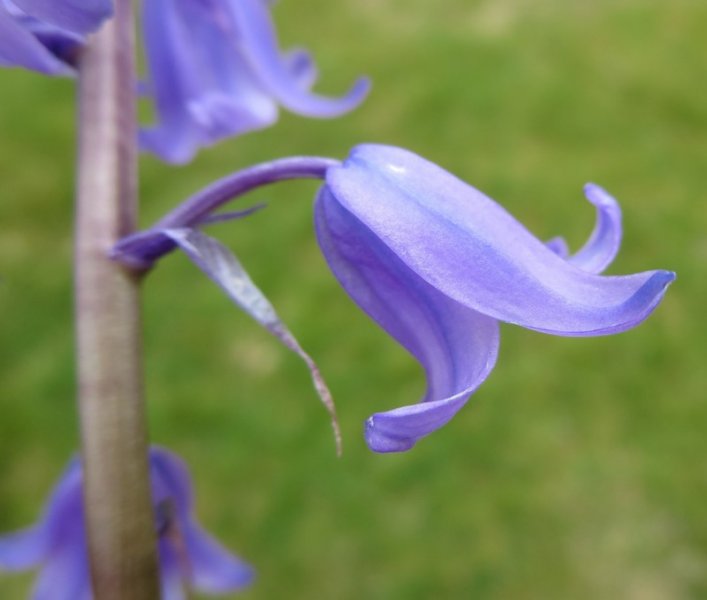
x,y
656,287
660,282
323,107
384,442
355,96
598,196
639,306
559,246
360,89
603,244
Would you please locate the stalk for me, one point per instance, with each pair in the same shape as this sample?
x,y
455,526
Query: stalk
x,y
140,250
117,497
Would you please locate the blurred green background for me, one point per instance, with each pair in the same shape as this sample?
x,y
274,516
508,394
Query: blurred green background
x,y
576,471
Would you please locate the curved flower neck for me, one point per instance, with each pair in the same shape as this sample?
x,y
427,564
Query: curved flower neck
x,y
140,250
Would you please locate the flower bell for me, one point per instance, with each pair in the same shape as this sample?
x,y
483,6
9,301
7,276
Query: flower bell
x,y
438,264
188,555
215,71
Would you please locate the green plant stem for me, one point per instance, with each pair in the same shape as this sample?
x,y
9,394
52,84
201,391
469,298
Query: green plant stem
x,y
119,518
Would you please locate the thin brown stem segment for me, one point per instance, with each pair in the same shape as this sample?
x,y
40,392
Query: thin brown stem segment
x,y
118,506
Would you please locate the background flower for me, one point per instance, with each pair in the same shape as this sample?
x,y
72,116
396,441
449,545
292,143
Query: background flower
x,y
188,555
215,71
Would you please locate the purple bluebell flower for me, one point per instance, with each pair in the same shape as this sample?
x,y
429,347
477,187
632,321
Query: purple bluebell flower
x,y
437,264
44,35
432,260
189,557
215,71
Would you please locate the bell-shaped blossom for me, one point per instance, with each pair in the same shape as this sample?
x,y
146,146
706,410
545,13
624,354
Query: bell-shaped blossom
x,y
189,557
437,264
215,71
44,35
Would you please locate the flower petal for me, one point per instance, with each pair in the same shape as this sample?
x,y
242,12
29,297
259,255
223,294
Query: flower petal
x,y
213,76
456,346
259,44
203,89
30,546
219,264
20,48
473,251
170,573
559,246
64,575
187,552
62,44
213,569
170,479
300,65
23,549
603,245
172,69
79,16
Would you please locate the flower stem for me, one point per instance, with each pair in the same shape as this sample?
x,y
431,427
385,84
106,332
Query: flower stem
x,y
140,250
201,204
118,507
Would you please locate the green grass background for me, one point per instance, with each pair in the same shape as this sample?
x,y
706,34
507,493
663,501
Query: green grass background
x,y
576,471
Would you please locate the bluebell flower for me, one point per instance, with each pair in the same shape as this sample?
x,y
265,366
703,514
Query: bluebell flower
x,y
433,261
44,35
188,555
437,264
215,71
